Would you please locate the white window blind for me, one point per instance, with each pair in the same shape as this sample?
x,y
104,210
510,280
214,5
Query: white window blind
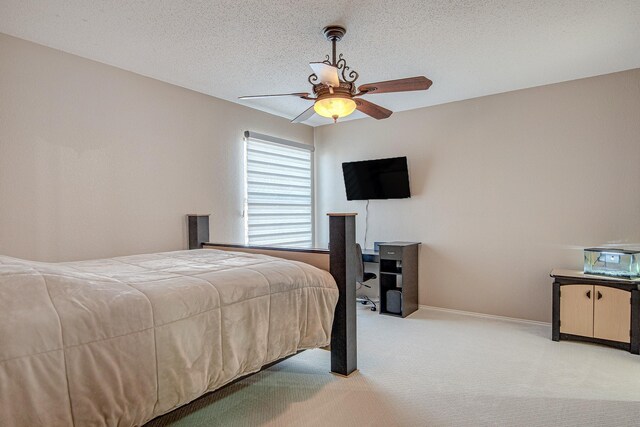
x,y
279,194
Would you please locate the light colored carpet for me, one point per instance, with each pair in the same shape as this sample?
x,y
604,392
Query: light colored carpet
x,y
435,369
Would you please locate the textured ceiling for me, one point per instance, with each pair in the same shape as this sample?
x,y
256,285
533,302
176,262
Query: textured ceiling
x,y
231,48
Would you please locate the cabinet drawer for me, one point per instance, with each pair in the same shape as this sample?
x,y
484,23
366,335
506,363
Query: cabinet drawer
x,y
390,252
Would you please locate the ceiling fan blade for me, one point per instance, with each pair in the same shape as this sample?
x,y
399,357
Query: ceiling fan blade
x,y
327,74
306,114
371,109
400,85
303,95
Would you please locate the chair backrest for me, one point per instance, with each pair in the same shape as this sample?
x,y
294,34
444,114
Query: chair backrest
x,y
359,264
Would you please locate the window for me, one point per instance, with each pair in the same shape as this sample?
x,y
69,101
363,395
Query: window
x,y
279,188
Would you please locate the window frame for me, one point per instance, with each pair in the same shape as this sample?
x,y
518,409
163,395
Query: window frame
x,y
249,135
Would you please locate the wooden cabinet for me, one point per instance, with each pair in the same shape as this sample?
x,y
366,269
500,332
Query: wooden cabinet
x,y
398,278
596,309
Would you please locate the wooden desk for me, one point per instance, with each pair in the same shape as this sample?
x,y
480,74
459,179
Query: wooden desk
x,y
369,255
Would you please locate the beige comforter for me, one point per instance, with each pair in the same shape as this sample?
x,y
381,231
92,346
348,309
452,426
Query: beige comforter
x,y
120,341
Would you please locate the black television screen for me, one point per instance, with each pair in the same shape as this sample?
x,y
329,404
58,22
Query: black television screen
x,y
377,179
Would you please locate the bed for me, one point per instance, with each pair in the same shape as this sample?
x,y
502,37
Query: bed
x,y
123,340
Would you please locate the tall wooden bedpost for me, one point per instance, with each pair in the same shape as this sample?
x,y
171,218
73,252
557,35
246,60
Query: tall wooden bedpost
x,y
198,228
342,266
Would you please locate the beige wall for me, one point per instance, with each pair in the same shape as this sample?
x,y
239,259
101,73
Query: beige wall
x,y
97,162
505,187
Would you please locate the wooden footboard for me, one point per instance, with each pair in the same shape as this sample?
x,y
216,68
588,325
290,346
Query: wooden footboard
x,y
316,257
340,261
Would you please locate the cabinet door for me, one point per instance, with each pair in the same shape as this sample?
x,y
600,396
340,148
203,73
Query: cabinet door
x,y
612,314
576,310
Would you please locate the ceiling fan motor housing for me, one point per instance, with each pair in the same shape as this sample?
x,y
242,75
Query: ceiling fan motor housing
x,y
346,90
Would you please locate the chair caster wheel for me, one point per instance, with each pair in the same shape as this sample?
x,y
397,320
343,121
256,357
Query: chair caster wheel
x,y
373,309
363,302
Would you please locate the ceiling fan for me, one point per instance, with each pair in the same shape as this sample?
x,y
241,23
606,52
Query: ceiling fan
x,y
334,90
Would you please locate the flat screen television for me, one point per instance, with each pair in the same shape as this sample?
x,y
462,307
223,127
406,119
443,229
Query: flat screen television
x,y
377,179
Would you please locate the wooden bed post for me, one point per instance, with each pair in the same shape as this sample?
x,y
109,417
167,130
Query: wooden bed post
x,y
342,266
198,228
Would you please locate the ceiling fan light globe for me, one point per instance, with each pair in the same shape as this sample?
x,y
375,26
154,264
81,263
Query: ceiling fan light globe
x,y
334,107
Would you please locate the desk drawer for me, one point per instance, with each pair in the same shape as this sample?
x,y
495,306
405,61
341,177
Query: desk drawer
x,y
390,252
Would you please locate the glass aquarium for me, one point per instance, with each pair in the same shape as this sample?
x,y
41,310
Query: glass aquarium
x,y
613,262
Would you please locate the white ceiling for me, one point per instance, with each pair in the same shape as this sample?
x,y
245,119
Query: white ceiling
x,y
230,48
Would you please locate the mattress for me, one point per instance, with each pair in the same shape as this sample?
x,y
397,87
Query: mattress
x,y
120,341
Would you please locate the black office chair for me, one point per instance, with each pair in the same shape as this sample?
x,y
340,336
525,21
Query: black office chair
x,y
362,276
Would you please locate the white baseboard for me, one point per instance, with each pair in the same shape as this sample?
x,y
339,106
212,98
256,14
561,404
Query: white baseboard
x,y
486,316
